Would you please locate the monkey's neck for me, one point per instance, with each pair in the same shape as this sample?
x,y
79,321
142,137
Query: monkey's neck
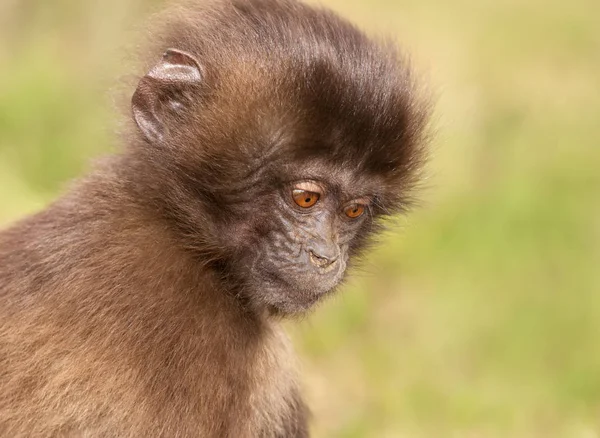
x,y
149,197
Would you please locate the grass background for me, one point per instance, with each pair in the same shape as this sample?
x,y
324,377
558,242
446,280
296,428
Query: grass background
x,y
480,315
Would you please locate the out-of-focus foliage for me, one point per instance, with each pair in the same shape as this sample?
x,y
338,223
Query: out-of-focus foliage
x,y
480,315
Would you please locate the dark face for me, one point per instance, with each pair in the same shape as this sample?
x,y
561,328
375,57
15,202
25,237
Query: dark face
x,y
300,243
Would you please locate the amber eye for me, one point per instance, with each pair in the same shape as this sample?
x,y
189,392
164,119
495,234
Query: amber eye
x,y
304,198
355,210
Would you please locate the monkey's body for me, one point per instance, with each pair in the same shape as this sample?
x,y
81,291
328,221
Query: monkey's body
x,y
270,139
109,330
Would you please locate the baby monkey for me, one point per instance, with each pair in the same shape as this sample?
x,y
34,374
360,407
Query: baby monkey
x,y
268,140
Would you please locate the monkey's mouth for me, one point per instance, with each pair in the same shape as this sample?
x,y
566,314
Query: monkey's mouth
x,y
323,266
293,282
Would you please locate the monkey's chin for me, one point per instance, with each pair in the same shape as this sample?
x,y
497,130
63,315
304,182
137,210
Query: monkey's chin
x,y
287,300
294,307
288,293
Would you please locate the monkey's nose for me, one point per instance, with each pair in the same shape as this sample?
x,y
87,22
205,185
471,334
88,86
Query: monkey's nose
x,y
321,260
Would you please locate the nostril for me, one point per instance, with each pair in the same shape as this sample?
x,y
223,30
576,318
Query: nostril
x,y
320,260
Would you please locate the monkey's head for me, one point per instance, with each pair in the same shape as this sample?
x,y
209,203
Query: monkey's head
x,y
279,137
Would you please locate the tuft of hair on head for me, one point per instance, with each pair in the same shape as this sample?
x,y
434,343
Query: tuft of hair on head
x,y
267,66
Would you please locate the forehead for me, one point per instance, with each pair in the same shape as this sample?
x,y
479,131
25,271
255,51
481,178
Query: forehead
x,y
338,177
337,135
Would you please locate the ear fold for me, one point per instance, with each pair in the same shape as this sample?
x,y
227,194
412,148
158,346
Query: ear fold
x,y
161,91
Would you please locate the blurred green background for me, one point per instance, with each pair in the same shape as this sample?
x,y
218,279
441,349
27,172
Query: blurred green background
x,y
479,316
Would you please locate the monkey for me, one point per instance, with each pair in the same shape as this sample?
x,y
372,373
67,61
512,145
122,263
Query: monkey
x,y
266,144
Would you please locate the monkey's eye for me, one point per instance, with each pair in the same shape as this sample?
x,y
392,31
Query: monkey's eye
x,y
305,198
354,211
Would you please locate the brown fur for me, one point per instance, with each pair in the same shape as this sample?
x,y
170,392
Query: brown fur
x,y
126,307
114,331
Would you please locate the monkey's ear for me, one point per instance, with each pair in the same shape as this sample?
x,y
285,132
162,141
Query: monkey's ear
x,y
162,90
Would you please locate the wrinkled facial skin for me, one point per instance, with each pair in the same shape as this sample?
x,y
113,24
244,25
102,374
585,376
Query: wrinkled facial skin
x,y
293,255
304,255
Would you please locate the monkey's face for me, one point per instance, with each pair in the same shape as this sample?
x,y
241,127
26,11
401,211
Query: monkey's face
x,y
294,243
